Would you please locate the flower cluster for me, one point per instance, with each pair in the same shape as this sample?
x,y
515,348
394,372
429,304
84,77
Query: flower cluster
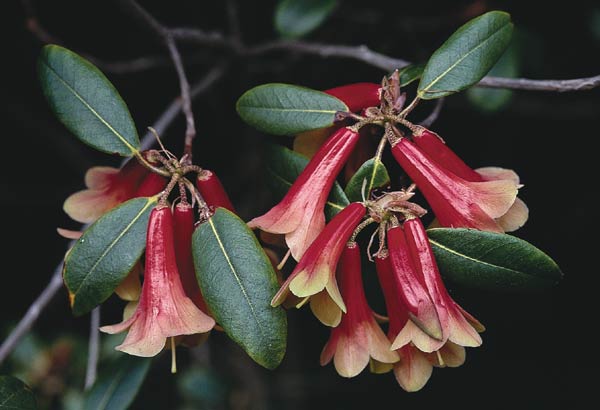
x,y
169,302
426,327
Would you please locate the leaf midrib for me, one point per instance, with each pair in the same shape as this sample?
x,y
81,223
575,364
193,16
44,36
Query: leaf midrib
x,y
237,278
112,245
439,77
290,109
90,108
462,255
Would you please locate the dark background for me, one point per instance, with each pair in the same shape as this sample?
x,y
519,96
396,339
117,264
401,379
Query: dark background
x,y
536,345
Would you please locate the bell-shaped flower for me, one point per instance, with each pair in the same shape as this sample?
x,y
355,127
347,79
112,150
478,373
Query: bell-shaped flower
x,y
456,202
315,273
300,214
413,370
434,146
163,310
108,187
458,326
358,338
422,325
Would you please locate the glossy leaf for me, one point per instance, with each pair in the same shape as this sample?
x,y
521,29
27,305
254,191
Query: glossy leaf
x,y
492,261
106,253
467,56
284,109
14,394
489,99
295,18
411,73
376,176
118,385
86,102
283,167
238,283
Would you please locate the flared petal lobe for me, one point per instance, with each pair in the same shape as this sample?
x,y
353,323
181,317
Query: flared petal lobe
x,y
358,338
316,270
107,187
163,310
300,214
455,201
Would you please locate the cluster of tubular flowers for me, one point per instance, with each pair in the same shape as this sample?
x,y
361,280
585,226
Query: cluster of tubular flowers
x,y
426,327
168,304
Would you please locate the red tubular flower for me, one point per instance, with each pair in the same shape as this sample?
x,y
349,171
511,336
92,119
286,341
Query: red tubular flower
x,y
315,272
163,310
212,190
151,185
300,214
455,201
413,370
458,326
422,326
434,146
358,336
183,218
357,96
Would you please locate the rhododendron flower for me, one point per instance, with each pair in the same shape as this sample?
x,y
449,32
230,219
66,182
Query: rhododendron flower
x,y
434,146
417,348
458,326
107,187
413,370
163,310
315,273
300,214
422,324
456,202
358,336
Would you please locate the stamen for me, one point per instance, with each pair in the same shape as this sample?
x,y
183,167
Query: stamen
x,y
173,356
284,260
439,356
302,302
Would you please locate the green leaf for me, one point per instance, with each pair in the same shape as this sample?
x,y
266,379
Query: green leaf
x,y
284,109
86,102
14,394
238,283
283,167
376,176
411,73
118,385
492,261
489,99
467,56
295,18
106,253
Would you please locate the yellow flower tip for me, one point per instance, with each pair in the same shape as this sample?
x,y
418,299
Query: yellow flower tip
x,y
309,283
325,309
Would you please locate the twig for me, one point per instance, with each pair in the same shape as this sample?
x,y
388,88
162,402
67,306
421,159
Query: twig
x,y
431,118
576,84
360,53
171,112
32,314
93,349
167,37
